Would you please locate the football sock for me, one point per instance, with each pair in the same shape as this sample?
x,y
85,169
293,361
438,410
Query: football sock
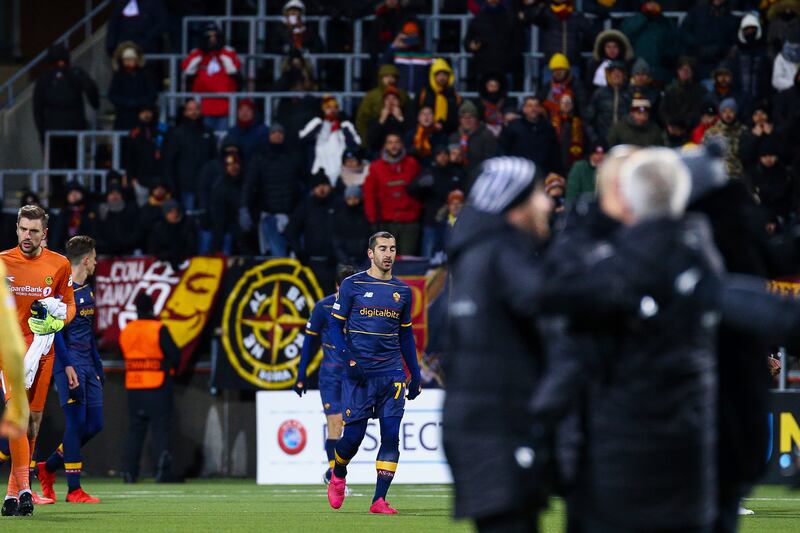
x,y
347,446
56,460
90,419
76,421
388,455
330,446
20,459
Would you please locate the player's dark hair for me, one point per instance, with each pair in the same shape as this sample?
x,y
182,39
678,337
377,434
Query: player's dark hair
x,y
33,212
373,241
79,247
344,271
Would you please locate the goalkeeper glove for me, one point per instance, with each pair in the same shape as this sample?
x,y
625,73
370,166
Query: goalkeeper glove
x,y
414,387
356,373
45,326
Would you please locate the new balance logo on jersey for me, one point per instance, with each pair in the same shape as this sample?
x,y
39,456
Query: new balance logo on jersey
x,y
368,295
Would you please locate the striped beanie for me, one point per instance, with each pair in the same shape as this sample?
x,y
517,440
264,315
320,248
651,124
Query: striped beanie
x,y
503,183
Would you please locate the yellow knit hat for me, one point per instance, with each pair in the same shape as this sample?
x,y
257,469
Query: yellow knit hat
x,y
559,61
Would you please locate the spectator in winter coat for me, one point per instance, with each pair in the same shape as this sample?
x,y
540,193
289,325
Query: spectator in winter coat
x,y
387,203
608,104
390,120
493,38
224,205
750,62
421,139
131,85
390,15
685,97
772,183
582,177
351,229
531,136
761,130
654,39
783,20
173,238
150,214
493,95
786,111
310,231
440,96
116,223
411,59
58,104
273,184
77,217
637,129
294,112
144,151
708,32
371,105
562,29
215,69
724,87
642,83
293,33
707,121
728,132
476,142
570,133
354,169
250,133
210,173
141,21
330,134
609,45
562,82
786,65
189,146
432,187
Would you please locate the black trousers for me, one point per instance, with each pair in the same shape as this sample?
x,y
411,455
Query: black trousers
x,y
512,522
149,409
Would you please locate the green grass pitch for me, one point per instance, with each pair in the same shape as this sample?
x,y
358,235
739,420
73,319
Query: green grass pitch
x,y
242,506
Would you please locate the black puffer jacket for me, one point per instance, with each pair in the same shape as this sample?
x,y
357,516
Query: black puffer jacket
x,y
310,229
274,180
351,230
536,141
494,365
189,146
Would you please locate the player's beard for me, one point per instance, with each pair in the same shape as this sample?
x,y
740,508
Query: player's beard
x,y
33,248
382,266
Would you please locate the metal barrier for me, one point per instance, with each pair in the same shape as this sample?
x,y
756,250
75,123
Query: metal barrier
x,y
86,138
85,23
42,187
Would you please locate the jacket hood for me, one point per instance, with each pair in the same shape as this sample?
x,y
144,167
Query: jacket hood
x,y
499,78
438,65
386,70
783,6
616,35
57,52
747,21
116,59
471,228
791,52
227,142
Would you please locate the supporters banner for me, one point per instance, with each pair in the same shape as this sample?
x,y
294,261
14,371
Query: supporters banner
x,y
183,299
291,433
267,304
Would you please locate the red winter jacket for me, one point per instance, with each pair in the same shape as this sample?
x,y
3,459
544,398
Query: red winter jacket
x,y
385,196
214,72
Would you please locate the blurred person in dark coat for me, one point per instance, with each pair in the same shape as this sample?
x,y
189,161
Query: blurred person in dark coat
x,y
351,229
141,21
77,217
174,237
117,220
132,87
224,205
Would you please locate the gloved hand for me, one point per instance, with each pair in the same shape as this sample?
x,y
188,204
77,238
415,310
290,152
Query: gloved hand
x,y
45,326
414,387
356,373
300,384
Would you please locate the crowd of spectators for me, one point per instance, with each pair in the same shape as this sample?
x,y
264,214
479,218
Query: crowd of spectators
x,y
310,181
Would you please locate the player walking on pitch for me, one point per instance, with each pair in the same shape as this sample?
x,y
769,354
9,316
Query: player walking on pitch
x,y
35,274
331,370
79,379
375,309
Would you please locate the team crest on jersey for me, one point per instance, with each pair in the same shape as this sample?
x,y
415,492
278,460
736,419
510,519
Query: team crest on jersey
x,y
264,320
48,280
396,296
347,412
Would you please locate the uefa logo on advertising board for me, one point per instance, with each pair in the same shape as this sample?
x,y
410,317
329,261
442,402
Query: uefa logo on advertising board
x,y
292,437
264,320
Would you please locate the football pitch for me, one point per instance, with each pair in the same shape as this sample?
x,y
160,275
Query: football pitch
x,y
242,506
